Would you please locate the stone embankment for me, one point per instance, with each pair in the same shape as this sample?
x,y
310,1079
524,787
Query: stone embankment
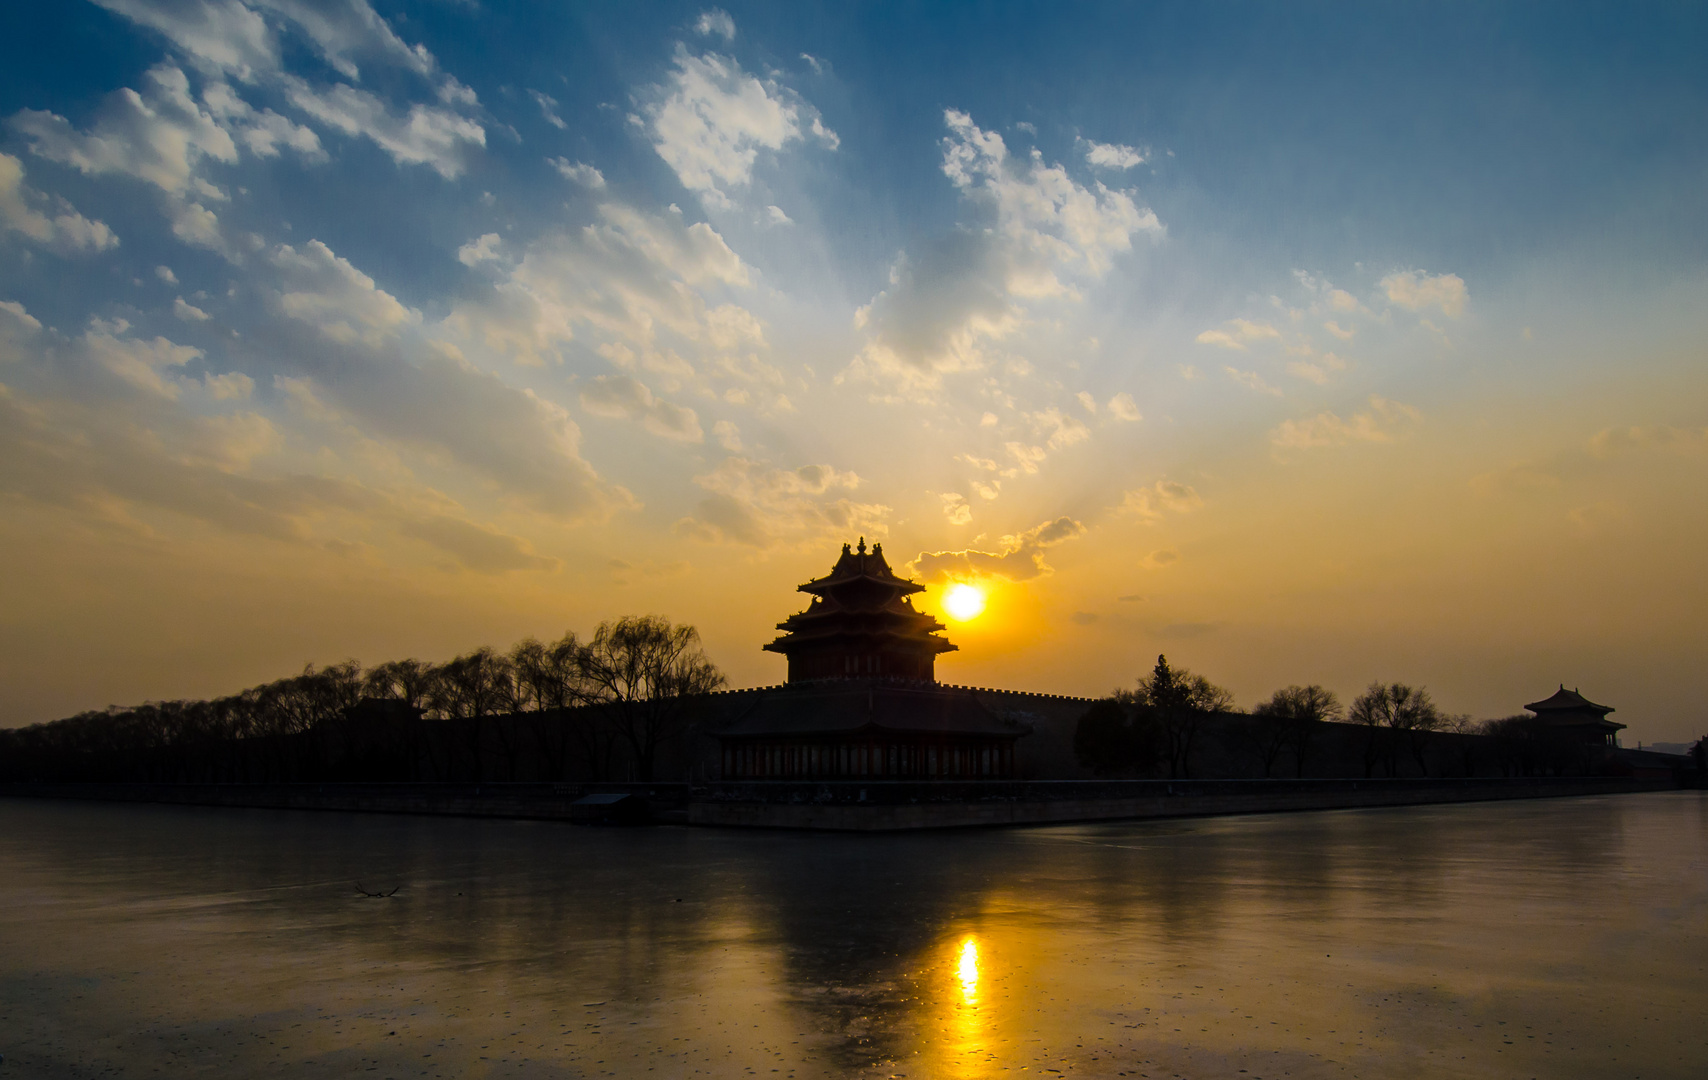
x,y
876,806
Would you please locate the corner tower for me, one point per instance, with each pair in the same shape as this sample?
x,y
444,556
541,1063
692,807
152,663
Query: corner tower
x,y
861,625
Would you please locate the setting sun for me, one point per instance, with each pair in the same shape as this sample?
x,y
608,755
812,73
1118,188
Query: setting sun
x,y
963,602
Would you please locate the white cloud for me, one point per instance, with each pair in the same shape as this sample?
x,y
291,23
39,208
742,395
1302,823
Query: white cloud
x,y
1316,368
1122,407
548,109
621,396
426,135
1384,422
1237,333
715,21
776,216
1415,290
1021,557
755,504
327,293
728,436
262,133
232,386
164,273
1086,401
585,175
219,35
66,231
159,136
1112,155
1038,206
711,119
1251,380
22,317
1162,497
627,277
145,365
1062,430
188,312
483,248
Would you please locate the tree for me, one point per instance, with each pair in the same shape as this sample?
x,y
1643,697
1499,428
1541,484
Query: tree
x,y
469,691
1291,719
1179,700
1116,737
644,674
1394,714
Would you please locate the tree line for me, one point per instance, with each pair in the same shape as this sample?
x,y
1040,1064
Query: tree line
x,y
610,702
1158,724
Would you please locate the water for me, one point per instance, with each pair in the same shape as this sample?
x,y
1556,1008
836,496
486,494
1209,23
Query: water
x,y
1557,938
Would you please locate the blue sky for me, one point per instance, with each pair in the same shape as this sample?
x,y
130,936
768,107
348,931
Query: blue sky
x,y
336,329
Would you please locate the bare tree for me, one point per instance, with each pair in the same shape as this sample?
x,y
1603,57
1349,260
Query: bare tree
x,y
644,673
1393,713
469,691
1291,720
1180,701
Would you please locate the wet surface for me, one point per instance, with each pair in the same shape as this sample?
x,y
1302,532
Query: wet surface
x,y
1555,938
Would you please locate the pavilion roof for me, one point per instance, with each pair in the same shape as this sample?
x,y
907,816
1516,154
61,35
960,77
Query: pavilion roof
x,y
861,566
1563,700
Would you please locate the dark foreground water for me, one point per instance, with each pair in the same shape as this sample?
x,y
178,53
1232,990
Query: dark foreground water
x,y
1557,938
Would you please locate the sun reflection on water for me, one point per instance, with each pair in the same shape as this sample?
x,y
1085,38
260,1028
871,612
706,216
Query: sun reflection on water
x,y
969,971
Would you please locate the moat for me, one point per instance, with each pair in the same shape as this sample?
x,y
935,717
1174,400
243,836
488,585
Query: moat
x,y
1555,937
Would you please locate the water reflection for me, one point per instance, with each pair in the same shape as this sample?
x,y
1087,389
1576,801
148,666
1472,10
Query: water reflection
x,y
1445,941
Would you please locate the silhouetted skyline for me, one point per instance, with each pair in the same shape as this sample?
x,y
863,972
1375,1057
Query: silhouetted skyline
x,y
1309,347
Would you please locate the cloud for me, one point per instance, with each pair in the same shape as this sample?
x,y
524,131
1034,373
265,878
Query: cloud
x,y
262,133
715,21
1317,368
1238,332
1610,442
1112,155
629,277
1163,497
548,109
1062,430
483,248
20,316
951,297
621,396
1122,407
326,292
585,175
425,135
188,312
710,119
476,547
1384,422
956,508
776,216
1415,290
1251,380
67,231
1021,557
159,136
752,503
728,436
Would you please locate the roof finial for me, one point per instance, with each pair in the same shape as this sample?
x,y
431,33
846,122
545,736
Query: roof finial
x,y
845,550
862,545
878,549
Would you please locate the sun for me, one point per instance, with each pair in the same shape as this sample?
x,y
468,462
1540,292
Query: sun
x,y
963,602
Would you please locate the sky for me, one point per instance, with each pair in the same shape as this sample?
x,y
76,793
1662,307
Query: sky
x,y
1320,343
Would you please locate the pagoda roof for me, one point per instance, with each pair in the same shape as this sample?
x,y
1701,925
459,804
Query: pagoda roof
x,y
861,566
843,707
1563,700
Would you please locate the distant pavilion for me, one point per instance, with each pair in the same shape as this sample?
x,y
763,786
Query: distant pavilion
x,y
862,700
1571,714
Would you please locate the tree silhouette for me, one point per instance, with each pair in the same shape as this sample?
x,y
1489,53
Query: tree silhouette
x,y
1394,714
1179,700
1291,720
644,674
1115,738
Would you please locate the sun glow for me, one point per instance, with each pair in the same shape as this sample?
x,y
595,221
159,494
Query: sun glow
x,y
969,969
963,602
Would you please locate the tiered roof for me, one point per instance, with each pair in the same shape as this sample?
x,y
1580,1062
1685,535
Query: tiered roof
x,y
1570,707
861,607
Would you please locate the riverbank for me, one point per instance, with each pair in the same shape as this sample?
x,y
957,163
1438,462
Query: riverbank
x,y
853,806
